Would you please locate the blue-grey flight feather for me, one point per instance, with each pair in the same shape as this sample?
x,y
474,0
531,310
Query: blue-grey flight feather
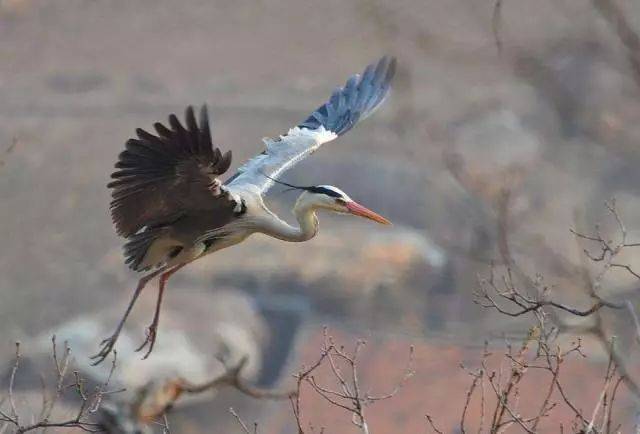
x,y
359,98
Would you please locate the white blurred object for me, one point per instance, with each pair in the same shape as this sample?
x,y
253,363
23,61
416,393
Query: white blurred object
x,y
200,331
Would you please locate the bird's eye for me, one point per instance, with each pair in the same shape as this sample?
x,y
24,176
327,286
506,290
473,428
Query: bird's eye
x,y
340,201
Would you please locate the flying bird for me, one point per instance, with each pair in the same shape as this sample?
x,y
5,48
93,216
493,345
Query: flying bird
x,y
170,205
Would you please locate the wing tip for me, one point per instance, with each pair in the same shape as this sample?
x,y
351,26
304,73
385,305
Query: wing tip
x,y
361,95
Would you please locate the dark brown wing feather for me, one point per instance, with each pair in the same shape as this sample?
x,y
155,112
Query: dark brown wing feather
x,y
162,178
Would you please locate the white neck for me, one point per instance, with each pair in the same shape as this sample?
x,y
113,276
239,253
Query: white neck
x,y
308,224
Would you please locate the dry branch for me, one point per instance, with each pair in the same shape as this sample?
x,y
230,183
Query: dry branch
x,y
159,404
90,401
348,393
516,294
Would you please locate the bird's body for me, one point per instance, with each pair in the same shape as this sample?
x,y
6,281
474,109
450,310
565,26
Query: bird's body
x,y
200,235
172,208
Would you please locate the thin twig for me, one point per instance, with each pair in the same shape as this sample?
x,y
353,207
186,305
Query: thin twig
x,y
433,425
243,425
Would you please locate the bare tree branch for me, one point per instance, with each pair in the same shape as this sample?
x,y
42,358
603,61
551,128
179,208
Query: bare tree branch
x,y
344,371
89,401
163,401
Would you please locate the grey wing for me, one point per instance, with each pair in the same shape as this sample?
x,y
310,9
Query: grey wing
x,y
360,97
160,178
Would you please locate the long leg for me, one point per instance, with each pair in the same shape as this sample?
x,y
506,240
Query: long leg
x,y
152,331
108,343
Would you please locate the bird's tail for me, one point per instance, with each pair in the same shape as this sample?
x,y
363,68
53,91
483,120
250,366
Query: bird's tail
x,y
137,247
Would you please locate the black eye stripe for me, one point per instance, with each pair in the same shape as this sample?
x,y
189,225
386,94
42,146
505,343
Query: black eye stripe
x,y
323,190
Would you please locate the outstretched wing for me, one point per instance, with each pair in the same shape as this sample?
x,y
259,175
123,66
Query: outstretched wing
x,y
162,178
359,97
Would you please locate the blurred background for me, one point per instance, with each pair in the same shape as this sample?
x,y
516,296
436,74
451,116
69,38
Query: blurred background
x,y
544,102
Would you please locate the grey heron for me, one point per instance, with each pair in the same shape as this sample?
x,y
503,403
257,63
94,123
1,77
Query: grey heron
x,y
169,204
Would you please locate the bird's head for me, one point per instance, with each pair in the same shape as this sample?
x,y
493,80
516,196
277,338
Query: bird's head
x,y
333,199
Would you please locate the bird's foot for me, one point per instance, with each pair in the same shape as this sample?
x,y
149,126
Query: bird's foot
x,y
150,340
106,347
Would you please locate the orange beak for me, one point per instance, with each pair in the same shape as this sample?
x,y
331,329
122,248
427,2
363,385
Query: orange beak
x,y
359,210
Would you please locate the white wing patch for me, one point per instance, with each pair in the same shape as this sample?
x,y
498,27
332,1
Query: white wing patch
x,y
280,155
321,135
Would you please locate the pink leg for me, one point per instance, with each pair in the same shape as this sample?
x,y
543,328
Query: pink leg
x,y
108,343
152,331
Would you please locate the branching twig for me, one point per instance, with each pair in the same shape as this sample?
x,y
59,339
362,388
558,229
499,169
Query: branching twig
x,y
89,402
343,367
516,294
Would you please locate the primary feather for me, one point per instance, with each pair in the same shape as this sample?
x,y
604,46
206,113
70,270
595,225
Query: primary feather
x,y
359,97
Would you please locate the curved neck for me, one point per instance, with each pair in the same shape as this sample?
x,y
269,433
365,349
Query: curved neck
x,y
307,220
